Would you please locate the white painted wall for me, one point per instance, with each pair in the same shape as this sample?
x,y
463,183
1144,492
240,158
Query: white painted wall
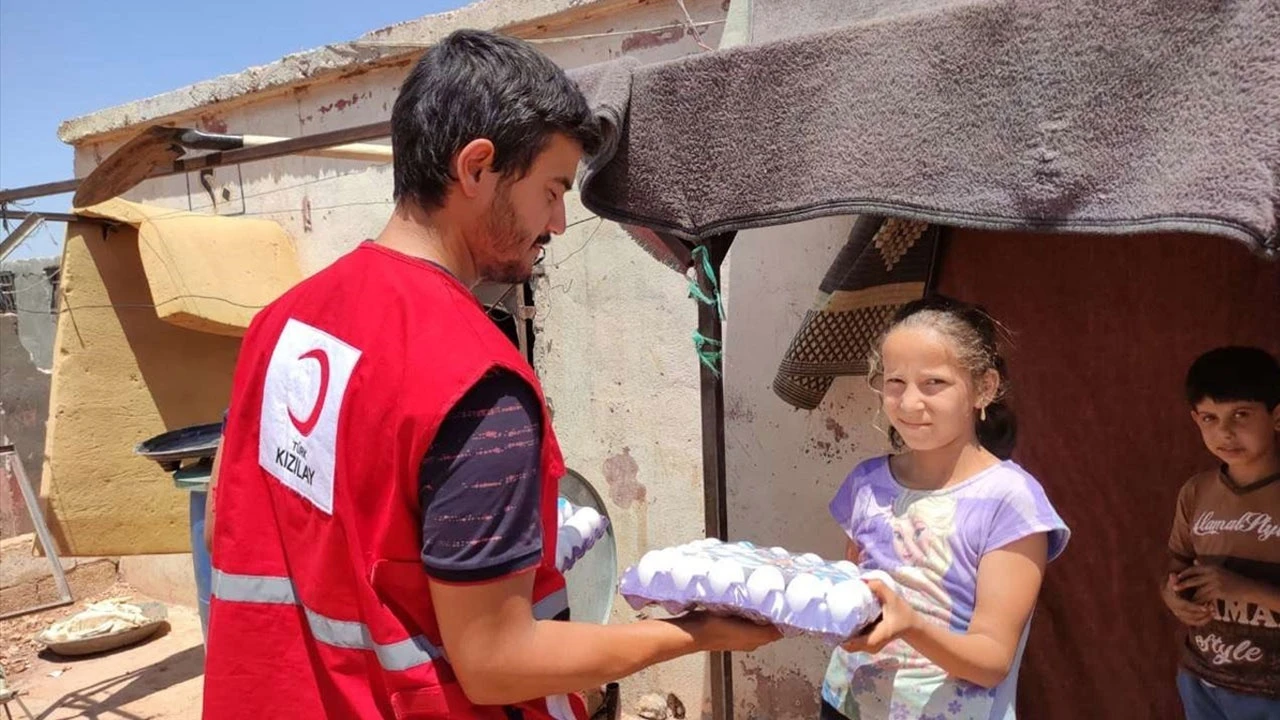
x,y
784,464
613,346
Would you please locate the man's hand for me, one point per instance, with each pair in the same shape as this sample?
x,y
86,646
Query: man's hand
x,y
1188,612
1212,582
712,633
502,656
896,618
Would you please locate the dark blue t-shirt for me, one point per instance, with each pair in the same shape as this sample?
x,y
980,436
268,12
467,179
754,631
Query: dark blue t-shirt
x,y
480,485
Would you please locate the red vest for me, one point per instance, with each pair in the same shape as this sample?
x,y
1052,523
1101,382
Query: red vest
x,y
320,603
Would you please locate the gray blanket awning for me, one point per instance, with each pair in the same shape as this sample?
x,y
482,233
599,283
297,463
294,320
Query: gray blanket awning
x,y
1098,116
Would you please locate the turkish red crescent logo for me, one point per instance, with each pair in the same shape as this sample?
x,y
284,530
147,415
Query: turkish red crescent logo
x,y
306,426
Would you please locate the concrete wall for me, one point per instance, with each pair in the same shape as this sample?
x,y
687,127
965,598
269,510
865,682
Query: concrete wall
x,y
36,325
26,356
783,464
613,326
614,353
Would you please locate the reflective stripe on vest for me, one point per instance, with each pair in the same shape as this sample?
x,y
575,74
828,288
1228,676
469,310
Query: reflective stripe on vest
x,y
398,656
552,605
275,590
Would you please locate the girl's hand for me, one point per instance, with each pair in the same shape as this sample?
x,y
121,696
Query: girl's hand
x,y
896,619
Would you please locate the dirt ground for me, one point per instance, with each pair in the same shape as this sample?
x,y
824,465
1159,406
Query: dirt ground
x,y
158,679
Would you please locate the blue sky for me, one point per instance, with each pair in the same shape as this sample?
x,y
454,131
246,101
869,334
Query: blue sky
x,y
61,59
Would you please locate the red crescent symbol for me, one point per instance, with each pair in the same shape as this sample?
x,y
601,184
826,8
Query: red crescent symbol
x,y
306,426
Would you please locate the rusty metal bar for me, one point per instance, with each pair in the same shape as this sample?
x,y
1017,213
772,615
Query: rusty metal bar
x,y
9,457
20,233
35,191
6,214
291,146
714,482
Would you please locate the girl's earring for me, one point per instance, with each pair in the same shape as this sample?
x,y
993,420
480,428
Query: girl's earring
x,y
983,415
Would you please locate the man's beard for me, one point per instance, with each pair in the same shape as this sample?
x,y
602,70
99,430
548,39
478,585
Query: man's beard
x,y
509,243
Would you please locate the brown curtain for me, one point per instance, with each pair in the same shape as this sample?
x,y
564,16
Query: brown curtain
x,y
1105,328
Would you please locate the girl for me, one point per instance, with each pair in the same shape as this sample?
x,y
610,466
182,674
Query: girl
x,y
964,532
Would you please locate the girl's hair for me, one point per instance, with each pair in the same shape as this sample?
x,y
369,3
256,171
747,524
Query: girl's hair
x,y
974,337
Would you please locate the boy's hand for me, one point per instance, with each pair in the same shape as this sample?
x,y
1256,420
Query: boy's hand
x,y
1211,582
1191,613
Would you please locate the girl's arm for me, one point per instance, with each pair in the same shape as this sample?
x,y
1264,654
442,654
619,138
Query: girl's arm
x,y
1008,584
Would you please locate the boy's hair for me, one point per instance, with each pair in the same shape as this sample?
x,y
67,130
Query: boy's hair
x,y
1240,374
475,84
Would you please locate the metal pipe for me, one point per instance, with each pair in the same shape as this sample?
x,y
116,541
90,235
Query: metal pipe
x,y
20,233
714,483
293,146
6,214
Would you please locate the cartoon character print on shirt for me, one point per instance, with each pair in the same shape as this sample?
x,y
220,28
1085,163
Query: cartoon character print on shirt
x,y
922,527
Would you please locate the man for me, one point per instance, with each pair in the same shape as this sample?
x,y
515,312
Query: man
x,y
385,526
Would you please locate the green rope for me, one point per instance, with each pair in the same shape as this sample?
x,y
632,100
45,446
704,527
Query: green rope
x,y
695,291
708,351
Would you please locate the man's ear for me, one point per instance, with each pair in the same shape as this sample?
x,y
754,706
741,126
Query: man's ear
x,y
473,165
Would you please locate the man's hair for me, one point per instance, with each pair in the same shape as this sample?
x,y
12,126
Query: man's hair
x,y
475,84
1241,374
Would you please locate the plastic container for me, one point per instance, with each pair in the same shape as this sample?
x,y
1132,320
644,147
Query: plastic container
x,y
195,480
798,593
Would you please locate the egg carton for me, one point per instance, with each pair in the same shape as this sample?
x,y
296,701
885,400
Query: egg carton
x,y
801,594
580,528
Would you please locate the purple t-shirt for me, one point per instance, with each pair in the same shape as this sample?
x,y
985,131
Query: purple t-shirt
x,y
930,543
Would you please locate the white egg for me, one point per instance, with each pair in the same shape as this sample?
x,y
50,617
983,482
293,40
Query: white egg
x,y
848,600
780,552
701,565
842,599
811,558
649,565
580,524
689,568
802,591
725,574
847,568
764,580
681,573
568,538
589,516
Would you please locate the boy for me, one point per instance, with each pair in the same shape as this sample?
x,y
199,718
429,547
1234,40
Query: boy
x,y
1224,580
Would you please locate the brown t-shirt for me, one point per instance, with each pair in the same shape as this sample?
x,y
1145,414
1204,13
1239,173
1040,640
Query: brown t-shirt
x,y
1218,523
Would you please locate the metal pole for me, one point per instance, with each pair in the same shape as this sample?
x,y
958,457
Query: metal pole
x,y
20,233
6,214
9,457
230,157
35,191
715,499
